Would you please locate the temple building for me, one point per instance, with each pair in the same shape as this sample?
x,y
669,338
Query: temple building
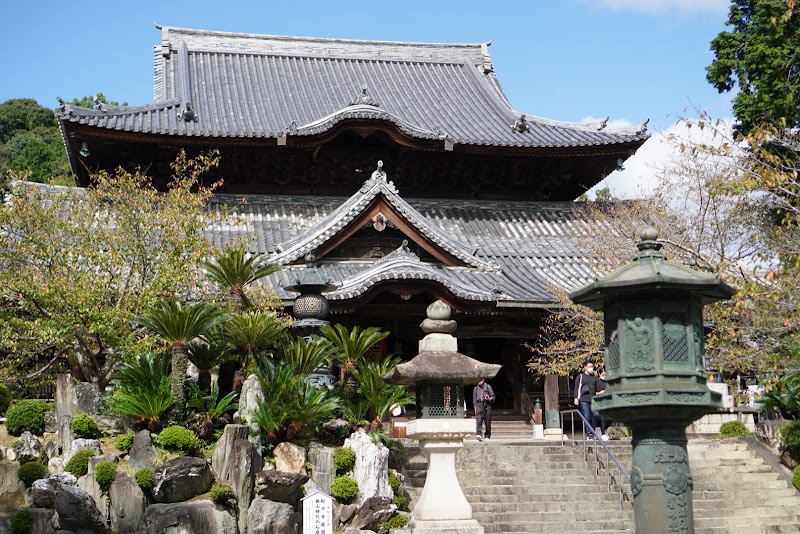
x,y
400,171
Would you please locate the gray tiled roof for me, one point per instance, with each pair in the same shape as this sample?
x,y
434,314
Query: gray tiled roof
x,y
257,86
532,246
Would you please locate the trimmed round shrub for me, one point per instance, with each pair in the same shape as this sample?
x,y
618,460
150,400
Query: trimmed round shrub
x,y
124,442
733,429
179,439
85,427
396,521
26,415
22,522
344,459
344,489
394,482
790,435
401,502
104,474
78,465
796,477
5,399
144,477
222,493
31,471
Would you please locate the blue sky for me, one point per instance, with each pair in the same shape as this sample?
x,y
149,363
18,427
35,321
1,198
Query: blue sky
x,y
564,60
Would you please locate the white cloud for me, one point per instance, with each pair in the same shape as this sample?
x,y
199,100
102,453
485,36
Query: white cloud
x,y
641,171
661,6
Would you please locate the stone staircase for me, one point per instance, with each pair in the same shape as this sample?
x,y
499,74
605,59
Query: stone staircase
x,y
537,487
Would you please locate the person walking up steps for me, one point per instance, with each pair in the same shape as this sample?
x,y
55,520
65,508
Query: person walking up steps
x,y
585,389
482,397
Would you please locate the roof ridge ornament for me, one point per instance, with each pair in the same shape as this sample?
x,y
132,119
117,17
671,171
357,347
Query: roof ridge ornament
x,y
378,178
401,253
521,124
642,128
364,99
603,124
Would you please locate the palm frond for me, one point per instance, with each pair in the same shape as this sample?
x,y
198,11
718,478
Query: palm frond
x,y
253,331
305,356
232,270
179,324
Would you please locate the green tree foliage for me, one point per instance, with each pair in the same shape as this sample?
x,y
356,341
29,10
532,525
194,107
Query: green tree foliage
x,y
760,54
179,439
344,489
76,266
210,411
252,331
144,478
104,473
22,522
31,147
22,114
95,100
344,458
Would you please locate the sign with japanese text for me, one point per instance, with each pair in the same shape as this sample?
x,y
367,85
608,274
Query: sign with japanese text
x,y
318,514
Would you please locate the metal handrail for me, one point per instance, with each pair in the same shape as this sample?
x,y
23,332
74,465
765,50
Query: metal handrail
x,y
598,464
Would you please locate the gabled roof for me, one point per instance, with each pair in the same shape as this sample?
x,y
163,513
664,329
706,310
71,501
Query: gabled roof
x,y
349,211
233,85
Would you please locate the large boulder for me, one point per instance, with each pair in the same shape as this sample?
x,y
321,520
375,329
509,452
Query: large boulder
x,y
269,517
28,448
112,425
290,458
235,460
323,469
198,517
77,511
140,455
181,479
12,494
80,444
371,469
279,486
128,503
251,395
373,513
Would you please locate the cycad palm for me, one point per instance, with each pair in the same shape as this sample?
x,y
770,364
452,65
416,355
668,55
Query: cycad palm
x,y
348,347
252,331
380,396
206,355
233,272
305,355
178,325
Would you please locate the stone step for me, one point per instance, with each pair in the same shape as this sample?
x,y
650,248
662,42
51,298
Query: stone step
x,y
550,517
590,526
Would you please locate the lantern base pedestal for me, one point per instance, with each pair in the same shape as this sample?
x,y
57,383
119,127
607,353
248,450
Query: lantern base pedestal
x,y
442,500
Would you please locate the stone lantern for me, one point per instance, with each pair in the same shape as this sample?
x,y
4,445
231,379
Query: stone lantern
x,y
439,373
310,308
655,370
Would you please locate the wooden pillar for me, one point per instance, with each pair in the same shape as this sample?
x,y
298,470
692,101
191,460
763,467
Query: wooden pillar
x,y
551,416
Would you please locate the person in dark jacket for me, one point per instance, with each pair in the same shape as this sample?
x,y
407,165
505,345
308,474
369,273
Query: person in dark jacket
x,y
482,397
598,419
586,387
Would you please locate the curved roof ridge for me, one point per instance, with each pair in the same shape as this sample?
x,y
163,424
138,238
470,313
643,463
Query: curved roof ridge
x,y
405,266
351,208
363,111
